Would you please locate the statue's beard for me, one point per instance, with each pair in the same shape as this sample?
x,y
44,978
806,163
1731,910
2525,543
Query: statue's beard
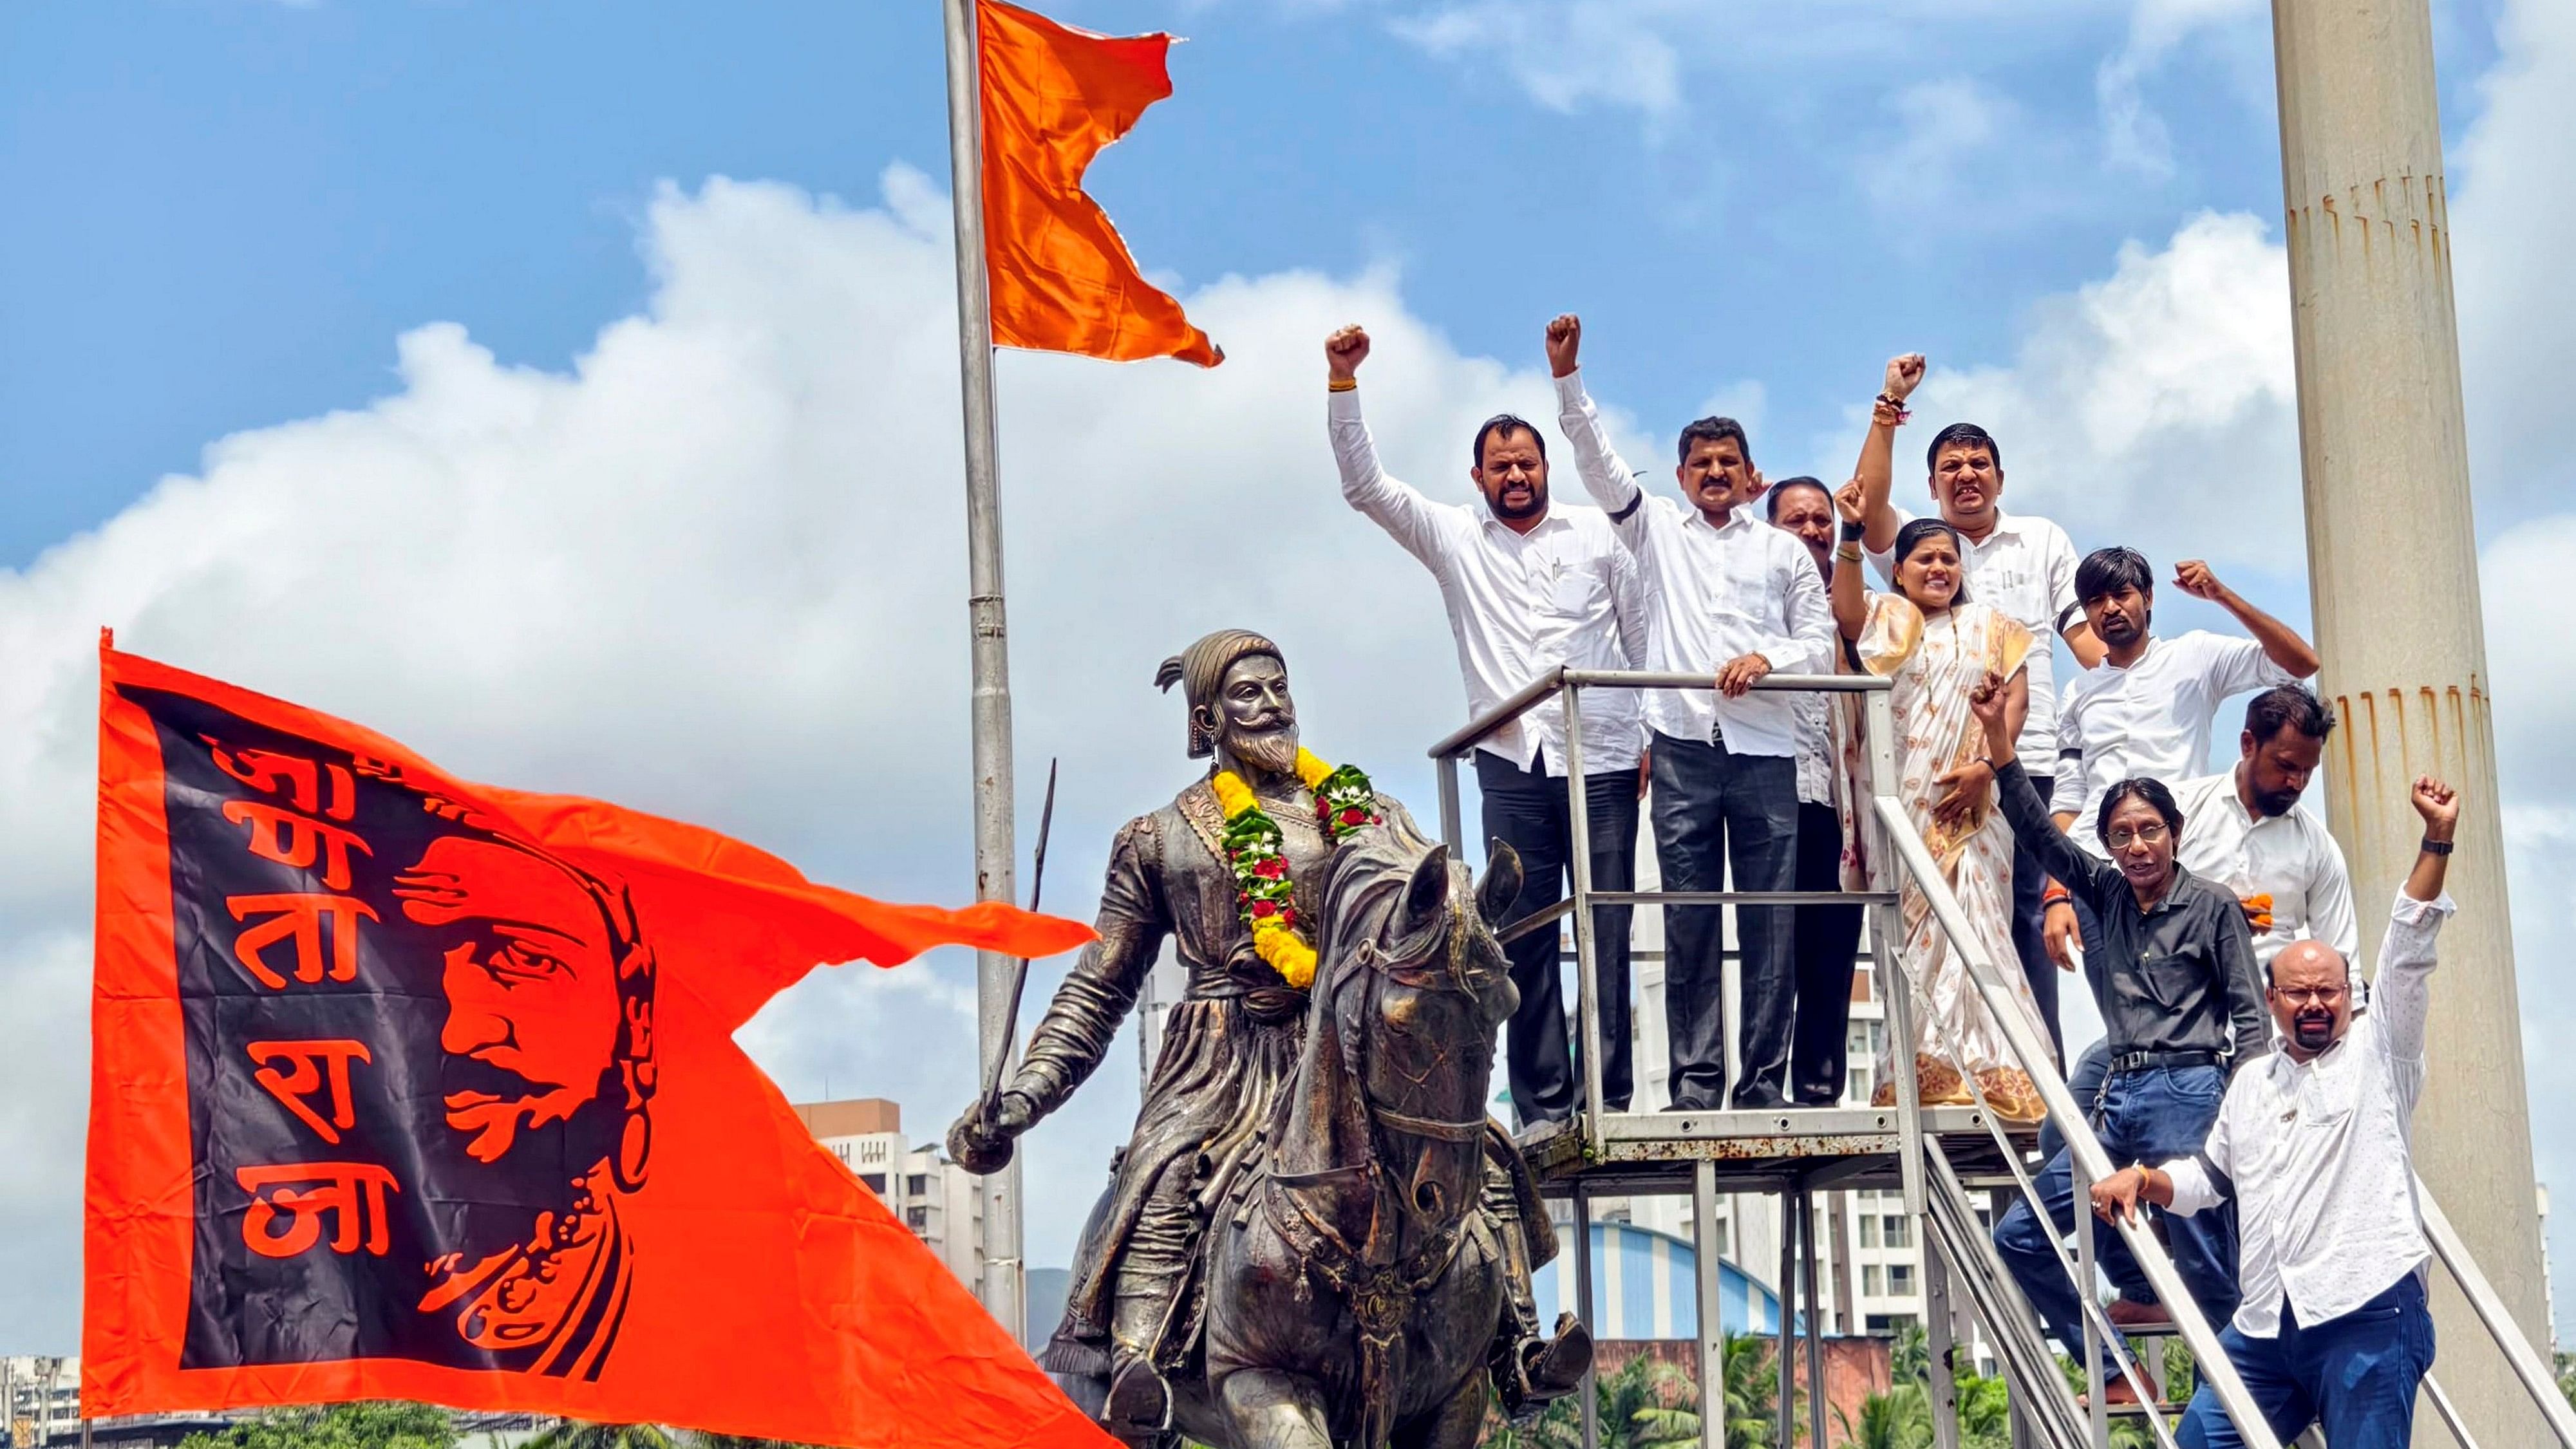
x,y
1272,751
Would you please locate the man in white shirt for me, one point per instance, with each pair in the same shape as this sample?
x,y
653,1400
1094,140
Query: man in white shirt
x,y
1730,597
2315,1147
1825,938
1529,586
2246,829
2144,712
2023,565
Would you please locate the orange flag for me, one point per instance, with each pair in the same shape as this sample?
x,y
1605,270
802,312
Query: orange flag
x,y
1061,279
409,1088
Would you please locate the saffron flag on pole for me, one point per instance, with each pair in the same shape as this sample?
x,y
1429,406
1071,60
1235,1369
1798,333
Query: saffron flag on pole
x,y
1060,277
409,1088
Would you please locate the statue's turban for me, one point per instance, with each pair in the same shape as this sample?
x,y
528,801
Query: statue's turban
x,y
1200,670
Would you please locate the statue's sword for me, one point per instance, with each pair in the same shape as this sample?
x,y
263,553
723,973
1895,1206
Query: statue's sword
x,y
1020,979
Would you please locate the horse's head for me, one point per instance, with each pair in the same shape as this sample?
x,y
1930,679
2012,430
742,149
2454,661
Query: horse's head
x,y
1415,985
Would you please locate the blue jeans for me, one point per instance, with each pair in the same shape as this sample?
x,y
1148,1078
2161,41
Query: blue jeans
x,y
2151,1115
1714,810
2354,1376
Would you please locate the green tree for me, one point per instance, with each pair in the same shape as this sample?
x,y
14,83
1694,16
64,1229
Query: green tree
x,y
375,1424
575,1434
1901,1418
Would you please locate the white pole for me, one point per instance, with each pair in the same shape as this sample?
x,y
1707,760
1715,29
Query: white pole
x,y
2393,580
994,847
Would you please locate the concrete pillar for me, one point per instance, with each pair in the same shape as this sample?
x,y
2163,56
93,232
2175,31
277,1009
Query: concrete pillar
x,y
2392,568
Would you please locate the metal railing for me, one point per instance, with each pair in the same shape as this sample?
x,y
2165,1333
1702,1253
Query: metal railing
x,y
1949,1227
1892,832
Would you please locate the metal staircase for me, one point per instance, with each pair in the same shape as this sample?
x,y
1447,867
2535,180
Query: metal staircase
x,y
1940,1157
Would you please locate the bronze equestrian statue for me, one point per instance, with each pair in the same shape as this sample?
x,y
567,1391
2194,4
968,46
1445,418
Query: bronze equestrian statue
x,y
1315,1236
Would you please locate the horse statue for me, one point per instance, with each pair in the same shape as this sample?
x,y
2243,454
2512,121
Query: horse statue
x,y
1353,1287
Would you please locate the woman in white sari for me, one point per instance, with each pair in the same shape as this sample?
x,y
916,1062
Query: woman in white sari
x,y
1936,646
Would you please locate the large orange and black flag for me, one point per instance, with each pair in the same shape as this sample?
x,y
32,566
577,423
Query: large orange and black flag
x,y
410,1088
1061,279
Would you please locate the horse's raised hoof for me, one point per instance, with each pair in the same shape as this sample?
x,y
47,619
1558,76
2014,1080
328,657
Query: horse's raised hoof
x,y
1554,1367
1139,1407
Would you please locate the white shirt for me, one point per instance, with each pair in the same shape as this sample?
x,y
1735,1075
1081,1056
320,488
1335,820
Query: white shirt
x,y
2024,569
1520,604
2150,719
2291,858
1712,595
2319,1154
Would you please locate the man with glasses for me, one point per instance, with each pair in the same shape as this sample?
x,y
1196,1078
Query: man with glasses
x,y
2182,1006
2315,1145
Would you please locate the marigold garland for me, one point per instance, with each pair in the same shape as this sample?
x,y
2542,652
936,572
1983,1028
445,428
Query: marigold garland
x,y
1345,802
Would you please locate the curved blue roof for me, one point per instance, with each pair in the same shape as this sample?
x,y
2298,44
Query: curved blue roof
x,y
1645,1284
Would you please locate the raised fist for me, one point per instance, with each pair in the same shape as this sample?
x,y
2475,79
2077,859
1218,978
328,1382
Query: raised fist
x,y
1904,375
983,1146
1345,350
2439,804
1564,339
2194,578
1849,503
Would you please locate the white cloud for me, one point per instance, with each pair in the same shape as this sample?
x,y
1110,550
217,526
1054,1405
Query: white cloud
x,y
1941,125
717,571
2155,405
2509,230
1566,53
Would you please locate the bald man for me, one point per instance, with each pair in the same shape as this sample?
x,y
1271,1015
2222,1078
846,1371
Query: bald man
x,y
2314,1144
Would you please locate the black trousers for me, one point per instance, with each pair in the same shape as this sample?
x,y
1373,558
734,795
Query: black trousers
x,y
1718,813
1532,812
2029,882
1827,941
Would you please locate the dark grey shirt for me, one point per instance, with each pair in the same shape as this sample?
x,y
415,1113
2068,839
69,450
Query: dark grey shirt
x,y
2177,977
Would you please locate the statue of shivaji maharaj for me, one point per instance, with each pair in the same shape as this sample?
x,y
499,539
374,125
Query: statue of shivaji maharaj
x,y
1235,870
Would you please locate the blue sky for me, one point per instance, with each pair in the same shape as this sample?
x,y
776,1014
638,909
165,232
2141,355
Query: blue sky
x,y
569,370
228,208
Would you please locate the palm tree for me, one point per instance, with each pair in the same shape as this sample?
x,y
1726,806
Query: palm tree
x,y
1901,1418
575,1434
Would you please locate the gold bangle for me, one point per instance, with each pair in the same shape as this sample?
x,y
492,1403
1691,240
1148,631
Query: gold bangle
x,y
1342,384
1847,554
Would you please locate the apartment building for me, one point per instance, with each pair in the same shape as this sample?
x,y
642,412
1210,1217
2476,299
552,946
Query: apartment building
x,y
931,1195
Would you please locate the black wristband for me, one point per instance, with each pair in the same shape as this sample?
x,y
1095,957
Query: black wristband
x,y
2436,847
1852,532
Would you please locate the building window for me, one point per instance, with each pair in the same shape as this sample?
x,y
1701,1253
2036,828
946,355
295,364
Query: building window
x,y
1899,1233
1869,1231
1869,1281
917,1185
917,1219
875,1182
1861,1083
1900,1280
1722,1226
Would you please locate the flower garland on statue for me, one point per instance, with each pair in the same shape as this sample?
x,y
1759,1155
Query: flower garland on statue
x,y
1345,801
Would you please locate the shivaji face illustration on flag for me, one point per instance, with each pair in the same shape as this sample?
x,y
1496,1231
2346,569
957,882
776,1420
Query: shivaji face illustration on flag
x,y
405,1087
421,1061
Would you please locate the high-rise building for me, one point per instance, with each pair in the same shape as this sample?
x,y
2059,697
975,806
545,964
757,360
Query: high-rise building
x,y
931,1195
39,1397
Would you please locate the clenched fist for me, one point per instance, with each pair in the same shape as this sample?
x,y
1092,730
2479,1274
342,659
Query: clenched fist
x,y
1905,374
1564,339
983,1146
1345,350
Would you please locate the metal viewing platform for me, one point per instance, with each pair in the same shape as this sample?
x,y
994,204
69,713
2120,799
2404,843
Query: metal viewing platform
x,y
1942,1159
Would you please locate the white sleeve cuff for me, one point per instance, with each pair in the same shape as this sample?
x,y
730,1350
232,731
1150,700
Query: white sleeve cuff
x,y
1343,406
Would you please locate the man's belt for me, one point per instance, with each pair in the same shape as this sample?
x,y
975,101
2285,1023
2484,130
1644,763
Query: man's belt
x,y
2145,1061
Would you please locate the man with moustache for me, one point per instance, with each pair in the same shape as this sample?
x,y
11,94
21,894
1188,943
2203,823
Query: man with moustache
x,y
2144,712
2315,1149
1530,585
1227,1064
1824,938
2024,566
2250,833
2174,975
1728,597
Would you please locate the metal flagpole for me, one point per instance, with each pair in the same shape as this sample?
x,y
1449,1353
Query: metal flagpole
x,y
994,848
